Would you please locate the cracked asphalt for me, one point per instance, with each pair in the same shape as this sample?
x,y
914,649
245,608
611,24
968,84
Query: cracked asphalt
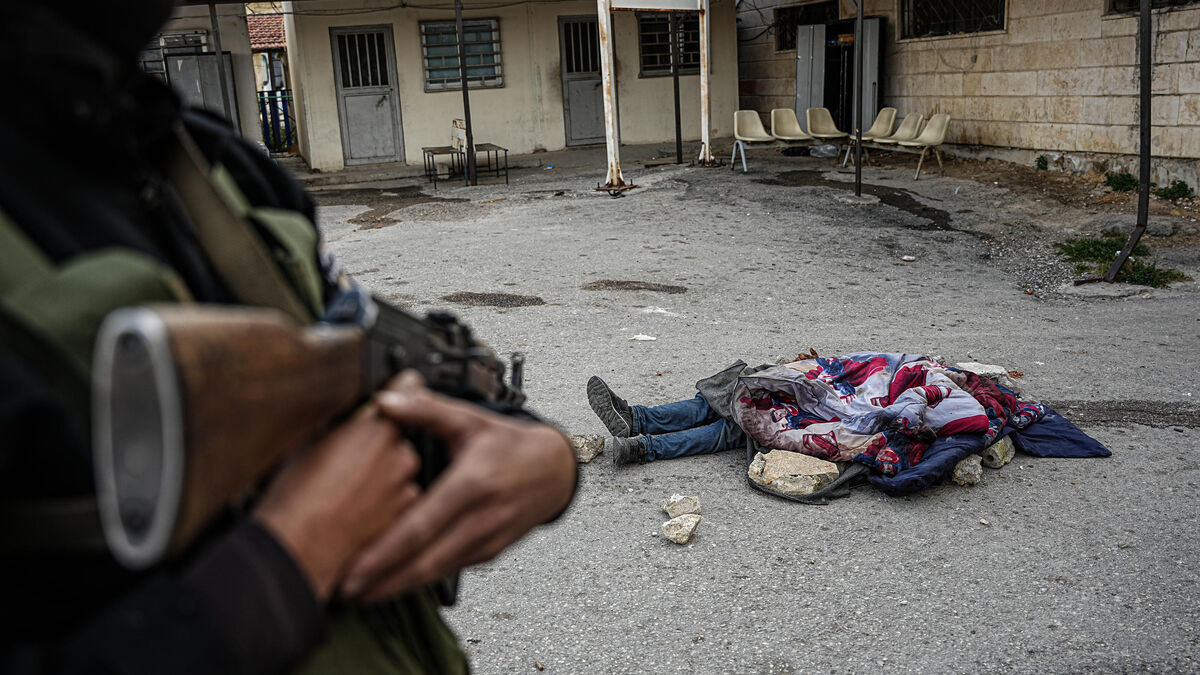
x,y
1083,565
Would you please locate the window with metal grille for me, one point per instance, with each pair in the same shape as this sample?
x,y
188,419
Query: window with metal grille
x,y
363,59
787,19
582,47
654,42
928,18
439,49
1123,6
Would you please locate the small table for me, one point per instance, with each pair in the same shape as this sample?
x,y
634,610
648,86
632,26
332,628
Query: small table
x,y
457,161
492,154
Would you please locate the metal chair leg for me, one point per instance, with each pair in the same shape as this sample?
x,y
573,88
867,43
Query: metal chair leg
x,y
849,149
941,169
919,162
732,156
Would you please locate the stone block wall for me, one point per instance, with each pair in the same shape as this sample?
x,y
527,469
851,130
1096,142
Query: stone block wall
x,y
1060,80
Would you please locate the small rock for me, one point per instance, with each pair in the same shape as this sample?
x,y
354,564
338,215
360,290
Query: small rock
x,y
643,338
997,374
681,529
586,446
999,453
984,522
909,258
969,471
791,473
678,505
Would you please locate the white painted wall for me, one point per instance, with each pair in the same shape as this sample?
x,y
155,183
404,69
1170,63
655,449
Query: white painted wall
x,y
235,39
524,115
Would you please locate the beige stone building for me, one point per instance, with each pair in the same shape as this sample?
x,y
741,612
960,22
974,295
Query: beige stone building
x,y
378,85
1020,78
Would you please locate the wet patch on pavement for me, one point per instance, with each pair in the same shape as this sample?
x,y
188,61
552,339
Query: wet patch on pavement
x,y
380,202
493,299
1125,413
896,197
622,285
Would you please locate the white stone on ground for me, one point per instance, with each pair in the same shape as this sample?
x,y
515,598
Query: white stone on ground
x,y
791,473
681,529
969,471
678,505
997,374
999,453
586,446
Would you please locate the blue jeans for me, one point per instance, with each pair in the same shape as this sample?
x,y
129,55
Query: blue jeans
x,y
687,428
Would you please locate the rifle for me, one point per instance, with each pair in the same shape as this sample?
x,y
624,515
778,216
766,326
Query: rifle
x,y
194,405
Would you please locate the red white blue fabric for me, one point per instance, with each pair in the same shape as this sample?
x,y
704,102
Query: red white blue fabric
x,y
882,410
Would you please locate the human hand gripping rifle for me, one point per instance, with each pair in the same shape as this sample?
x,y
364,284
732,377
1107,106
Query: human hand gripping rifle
x,y
194,405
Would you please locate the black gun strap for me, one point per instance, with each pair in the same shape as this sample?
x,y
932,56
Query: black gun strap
x,y
237,252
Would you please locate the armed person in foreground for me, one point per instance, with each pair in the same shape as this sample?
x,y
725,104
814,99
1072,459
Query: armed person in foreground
x,y
112,195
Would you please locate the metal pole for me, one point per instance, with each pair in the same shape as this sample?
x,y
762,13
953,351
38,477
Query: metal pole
x,y
603,27
1146,61
216,28
858,97
469,166
674,28
706,157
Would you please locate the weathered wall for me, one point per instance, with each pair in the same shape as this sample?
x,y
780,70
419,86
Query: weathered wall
x,y
1060,80
235,39
524,115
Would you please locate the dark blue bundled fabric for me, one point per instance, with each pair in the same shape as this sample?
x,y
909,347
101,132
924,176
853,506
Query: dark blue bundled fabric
x,y
937,463
1056,436
1051,436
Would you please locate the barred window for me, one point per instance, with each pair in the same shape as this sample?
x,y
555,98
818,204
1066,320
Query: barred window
x,y
1123,6
787,19
928,18
654,43
439,49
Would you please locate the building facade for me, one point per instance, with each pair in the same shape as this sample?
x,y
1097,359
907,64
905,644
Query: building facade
x,y
378,85
1020,78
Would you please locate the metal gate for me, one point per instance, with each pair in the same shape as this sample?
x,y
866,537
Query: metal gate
x,y
278,124
368,107
583,98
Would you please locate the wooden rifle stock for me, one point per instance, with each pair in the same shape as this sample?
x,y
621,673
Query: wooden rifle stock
x,y
194,405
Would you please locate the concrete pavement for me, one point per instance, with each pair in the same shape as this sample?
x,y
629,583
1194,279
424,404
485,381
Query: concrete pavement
x,y
1084,565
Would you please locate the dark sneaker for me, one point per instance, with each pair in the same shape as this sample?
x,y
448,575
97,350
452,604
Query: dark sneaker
x,y
612,410
626,450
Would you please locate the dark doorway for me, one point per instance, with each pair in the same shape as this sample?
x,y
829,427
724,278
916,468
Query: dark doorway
x,y
839,73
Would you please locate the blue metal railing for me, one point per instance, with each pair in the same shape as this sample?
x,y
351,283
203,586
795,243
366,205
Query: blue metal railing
x,y
278,124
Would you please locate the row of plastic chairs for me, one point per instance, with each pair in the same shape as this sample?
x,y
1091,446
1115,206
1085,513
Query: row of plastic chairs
x,y
785,127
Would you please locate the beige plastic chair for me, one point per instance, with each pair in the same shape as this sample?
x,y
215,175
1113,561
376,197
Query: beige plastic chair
x,y
907,130
747,128
880,128
820,124
785,126
933,136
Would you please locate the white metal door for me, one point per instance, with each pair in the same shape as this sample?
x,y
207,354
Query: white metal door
x,y
583,98
368,107
810,68
870,73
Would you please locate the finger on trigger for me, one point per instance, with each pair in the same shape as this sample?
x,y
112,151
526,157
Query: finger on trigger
x,y
413,531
